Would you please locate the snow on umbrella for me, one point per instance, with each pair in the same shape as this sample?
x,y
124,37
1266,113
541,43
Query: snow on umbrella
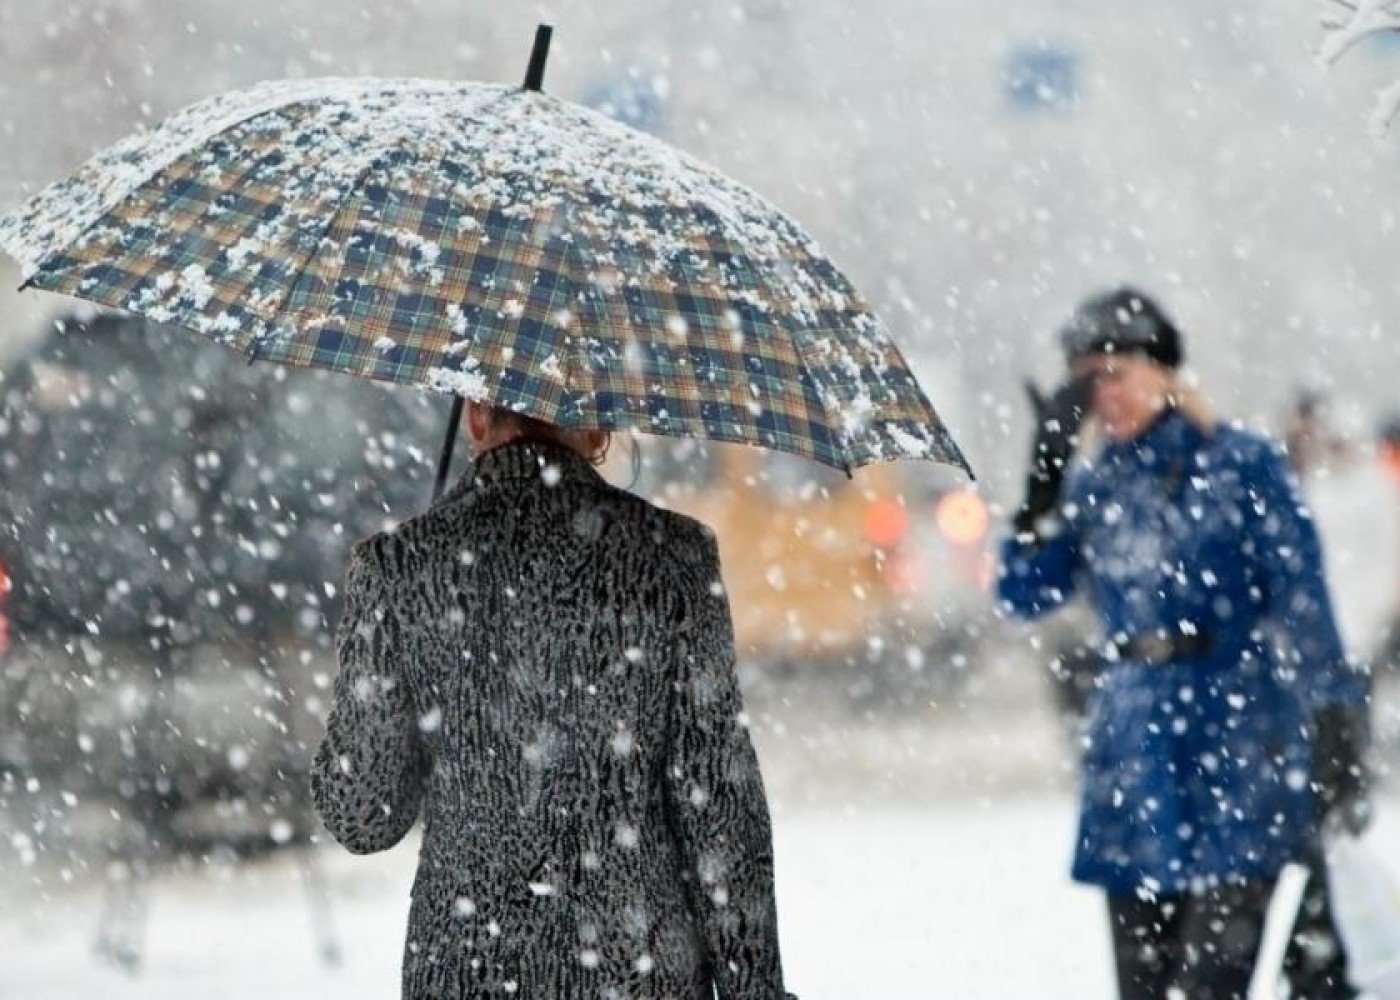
x,y
491,242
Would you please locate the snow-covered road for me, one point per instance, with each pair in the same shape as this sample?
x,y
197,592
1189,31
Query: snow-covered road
x,y
962,899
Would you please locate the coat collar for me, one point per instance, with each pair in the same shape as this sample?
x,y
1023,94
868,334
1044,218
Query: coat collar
x,y
1170,435
521,462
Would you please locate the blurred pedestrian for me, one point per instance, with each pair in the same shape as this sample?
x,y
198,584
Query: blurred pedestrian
x,y
1309,443
543,665
1387,656
1228,725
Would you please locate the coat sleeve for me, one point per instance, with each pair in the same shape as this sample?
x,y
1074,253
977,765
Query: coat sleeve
x,y
1283,540
716,798
1038,574
368,774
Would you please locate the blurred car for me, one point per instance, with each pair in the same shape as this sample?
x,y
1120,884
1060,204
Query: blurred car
x,y
879,580
173,529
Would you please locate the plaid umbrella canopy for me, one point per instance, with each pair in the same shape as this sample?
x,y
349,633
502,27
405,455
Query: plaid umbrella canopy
x,y
491,242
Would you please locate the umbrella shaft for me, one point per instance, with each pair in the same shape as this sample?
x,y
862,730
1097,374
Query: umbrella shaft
x,y
534,75
454,421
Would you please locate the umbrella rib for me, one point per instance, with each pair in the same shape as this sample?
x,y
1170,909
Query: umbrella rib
x,y
333,219
572,252
304,94
183,150
846,466
728,220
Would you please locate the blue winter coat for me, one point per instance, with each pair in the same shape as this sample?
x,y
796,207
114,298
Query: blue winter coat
x,y
1199,769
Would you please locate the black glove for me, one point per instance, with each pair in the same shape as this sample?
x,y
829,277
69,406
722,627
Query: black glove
x,y
1057,422
1340,736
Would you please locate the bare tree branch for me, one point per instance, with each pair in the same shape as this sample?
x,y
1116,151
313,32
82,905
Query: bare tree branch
x,y
1387,5
1371,17
1344,28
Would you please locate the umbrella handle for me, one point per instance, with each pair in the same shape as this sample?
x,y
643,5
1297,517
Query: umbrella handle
x,y
454,421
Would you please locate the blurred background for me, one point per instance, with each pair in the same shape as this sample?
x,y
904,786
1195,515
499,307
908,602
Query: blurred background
x,y
169,594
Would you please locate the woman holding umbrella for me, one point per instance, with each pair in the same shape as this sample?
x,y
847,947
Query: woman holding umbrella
x,y
1211,758
546,663
542,665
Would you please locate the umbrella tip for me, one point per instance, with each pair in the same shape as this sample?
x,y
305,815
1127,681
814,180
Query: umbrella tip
x,y
534,76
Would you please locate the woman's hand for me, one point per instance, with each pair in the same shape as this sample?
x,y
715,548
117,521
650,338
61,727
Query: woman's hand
x,y
1058,418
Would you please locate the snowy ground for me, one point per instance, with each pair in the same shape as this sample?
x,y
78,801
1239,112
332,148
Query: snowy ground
x,y
960,899
964,901
920,854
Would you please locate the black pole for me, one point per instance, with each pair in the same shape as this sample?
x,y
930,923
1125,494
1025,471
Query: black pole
x,y
534,80
454,421
534,76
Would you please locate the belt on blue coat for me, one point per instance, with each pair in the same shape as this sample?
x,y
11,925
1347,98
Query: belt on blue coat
x,y
1160,648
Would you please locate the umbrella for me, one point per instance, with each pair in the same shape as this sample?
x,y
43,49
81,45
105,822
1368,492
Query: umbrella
x,y
489,242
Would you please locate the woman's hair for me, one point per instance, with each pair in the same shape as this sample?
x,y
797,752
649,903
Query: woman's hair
x,y
1192,404
530,428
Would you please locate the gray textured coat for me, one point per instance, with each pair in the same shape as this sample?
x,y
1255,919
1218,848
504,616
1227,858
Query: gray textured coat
x,y
543,666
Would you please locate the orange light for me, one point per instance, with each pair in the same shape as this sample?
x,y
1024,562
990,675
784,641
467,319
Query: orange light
x,y
1390,458
962,517
886,521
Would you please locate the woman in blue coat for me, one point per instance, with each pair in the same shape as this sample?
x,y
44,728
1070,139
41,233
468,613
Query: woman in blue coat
x,y
1228,722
